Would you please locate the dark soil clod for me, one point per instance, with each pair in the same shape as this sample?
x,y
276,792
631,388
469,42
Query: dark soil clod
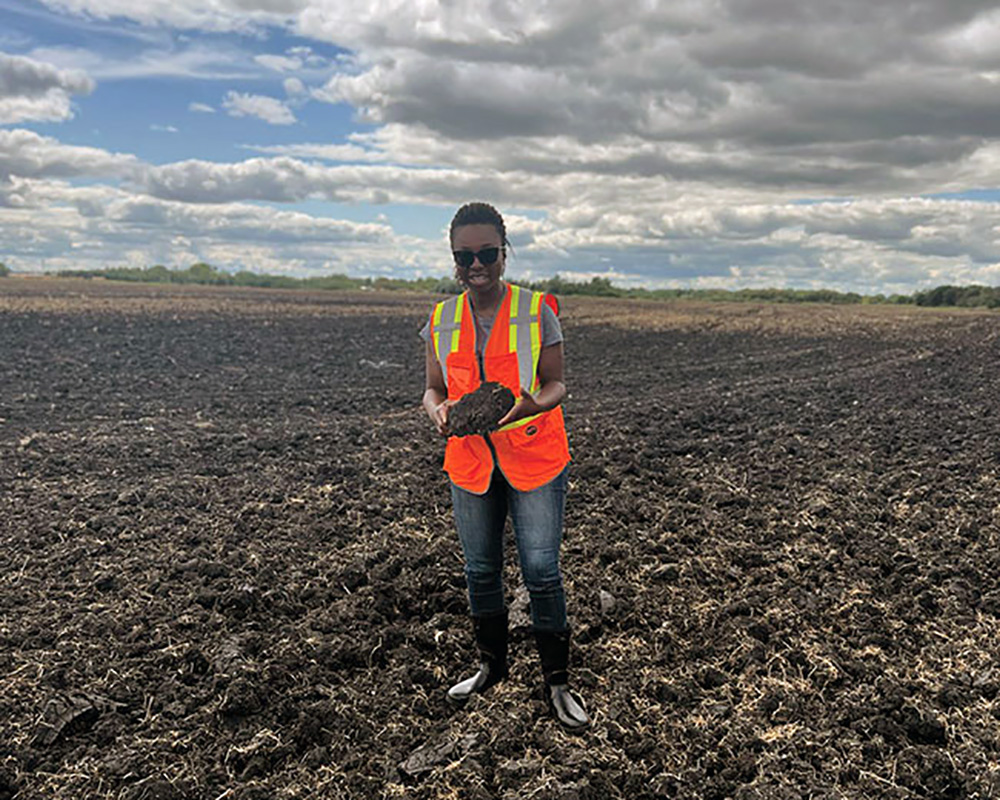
x,y
478,412
435,754
64,715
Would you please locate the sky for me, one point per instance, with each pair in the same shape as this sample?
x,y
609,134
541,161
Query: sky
x,y
693,143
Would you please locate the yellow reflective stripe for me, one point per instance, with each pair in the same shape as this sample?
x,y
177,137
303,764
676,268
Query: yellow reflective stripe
x,y
536,337
457,332
536,351
435,323
515,302
521,422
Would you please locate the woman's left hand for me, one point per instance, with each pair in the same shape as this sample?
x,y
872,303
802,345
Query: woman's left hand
x,y
526,406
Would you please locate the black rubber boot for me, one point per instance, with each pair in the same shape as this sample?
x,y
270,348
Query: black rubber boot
x,y
566,707
491,640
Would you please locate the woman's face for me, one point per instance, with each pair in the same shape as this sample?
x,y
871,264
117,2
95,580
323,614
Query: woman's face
x,y
469,239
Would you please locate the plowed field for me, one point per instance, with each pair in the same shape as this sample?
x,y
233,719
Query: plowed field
x,y
228,568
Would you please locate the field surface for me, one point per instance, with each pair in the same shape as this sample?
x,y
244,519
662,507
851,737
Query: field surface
x,y
228,567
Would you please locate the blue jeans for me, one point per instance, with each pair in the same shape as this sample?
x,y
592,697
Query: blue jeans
x,y
537,517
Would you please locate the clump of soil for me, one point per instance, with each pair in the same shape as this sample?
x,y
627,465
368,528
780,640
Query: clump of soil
x,y
481,410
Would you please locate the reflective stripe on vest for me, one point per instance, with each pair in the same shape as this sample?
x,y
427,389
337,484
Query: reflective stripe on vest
x,y
446,329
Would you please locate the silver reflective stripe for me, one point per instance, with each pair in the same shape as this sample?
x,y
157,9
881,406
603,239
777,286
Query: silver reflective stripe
x,y
447,330
525,336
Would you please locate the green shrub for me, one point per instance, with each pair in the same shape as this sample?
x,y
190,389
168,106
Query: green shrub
x,y
4,270
967,296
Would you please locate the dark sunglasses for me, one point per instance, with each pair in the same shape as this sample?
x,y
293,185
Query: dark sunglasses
x,y
486,256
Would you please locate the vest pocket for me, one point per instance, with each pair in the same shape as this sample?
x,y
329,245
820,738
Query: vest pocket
x,y
503,369
468,462
532,454
534,434
462,374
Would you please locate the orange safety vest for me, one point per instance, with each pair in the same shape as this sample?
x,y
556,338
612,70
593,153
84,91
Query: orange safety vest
x,y
531,451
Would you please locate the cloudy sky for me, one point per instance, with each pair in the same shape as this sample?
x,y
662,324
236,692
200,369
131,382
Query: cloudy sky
x,y
850,145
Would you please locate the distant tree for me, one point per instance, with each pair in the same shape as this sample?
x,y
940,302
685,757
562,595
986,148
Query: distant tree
x,y
157,274
202,273
4,270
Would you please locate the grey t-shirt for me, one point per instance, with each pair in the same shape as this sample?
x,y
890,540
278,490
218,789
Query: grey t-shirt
x,y
551,330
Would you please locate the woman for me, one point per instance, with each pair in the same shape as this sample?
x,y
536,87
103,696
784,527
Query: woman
x,y
500,332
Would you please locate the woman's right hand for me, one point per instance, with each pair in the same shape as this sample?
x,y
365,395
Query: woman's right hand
x,y
440,416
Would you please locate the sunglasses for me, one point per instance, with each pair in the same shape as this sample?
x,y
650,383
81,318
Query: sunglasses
x,y
486,256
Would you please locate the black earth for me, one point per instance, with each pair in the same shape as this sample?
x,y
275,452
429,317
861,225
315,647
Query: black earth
x,y
228,566
479,412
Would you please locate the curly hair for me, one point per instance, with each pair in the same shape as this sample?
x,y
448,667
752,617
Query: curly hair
x,y
479,214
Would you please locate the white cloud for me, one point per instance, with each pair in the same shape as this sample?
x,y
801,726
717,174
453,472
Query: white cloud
x,y
325,152
288,180
201,108
269,109
26,77
32,90
977,40
307,56
164,128
25,154
294,87
53,106
228,15
279,63
193,60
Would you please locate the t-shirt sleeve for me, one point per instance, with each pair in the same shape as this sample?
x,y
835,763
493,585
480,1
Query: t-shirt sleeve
x,y
425,332
551,327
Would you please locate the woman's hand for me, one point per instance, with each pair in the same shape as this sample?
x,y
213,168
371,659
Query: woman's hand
x,y
440,416
551,392
526,406
436,402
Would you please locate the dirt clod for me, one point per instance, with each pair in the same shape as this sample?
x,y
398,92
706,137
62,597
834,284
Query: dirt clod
x,y
478,412
434,754
8,783
64,715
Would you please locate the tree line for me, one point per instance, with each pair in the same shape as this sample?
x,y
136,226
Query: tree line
x,y
201,273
